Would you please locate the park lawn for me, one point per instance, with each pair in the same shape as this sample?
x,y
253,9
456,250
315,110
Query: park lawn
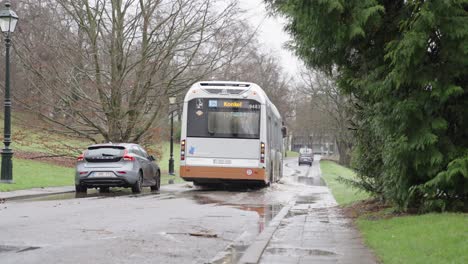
x,y
343,194
292,154
32,174
35,139
428,238
163,163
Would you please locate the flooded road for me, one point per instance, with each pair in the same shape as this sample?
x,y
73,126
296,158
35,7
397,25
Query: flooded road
x,y
178,224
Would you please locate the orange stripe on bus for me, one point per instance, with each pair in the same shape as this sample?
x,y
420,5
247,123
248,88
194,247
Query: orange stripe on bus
x,y
221,173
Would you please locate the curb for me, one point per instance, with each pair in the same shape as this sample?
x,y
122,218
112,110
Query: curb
x,y
28,196
32,193
254,252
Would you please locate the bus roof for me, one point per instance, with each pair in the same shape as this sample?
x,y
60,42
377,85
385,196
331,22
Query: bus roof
x,y
230,89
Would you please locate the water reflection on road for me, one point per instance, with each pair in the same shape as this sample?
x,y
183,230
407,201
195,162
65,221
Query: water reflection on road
x,y
262,205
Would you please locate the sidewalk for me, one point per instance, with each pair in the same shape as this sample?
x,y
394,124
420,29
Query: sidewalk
x,y
35,192
312,229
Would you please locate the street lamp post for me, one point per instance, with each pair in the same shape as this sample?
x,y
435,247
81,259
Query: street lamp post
x,y
172,101
8,19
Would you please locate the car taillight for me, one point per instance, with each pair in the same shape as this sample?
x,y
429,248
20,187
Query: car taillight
x,y
80,157
127,157
182,150
262,152
83,172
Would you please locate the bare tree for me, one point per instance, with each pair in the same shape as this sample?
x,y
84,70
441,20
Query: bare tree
x,y
263,69
104,68
328,112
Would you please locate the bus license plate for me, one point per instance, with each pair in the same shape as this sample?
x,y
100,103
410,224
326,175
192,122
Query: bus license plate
x,y
221,161
103,174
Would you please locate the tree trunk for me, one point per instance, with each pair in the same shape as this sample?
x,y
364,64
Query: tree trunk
x,y
344,150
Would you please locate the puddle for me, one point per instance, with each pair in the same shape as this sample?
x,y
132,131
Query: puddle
x,y
299,252
266,212
311,181
293,213
231,255
306,199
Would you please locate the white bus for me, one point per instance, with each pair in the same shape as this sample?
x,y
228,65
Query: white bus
x,y
231,132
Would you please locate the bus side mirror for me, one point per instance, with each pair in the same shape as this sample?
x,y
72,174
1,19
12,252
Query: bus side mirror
x,y
284,130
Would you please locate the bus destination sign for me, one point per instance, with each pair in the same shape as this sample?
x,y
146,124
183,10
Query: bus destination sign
x,y
242,104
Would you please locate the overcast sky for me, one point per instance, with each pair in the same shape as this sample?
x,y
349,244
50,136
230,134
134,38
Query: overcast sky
x,y
270,33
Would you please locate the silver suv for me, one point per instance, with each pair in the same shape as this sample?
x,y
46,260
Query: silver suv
x,y
116,165
306,159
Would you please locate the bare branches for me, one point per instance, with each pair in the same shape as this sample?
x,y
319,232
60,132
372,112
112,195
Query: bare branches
x,y
110,64
330,110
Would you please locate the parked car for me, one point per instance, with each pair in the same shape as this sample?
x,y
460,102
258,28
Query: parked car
x,y
306,158
116,165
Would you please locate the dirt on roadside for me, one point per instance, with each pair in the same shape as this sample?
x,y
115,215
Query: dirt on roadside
x,y
373,208
60,160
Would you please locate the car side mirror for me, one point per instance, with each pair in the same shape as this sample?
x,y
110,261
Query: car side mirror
x,y
151,158
284,131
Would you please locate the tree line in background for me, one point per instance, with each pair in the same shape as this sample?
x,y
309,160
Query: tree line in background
x,y
103,70
328,112
402,65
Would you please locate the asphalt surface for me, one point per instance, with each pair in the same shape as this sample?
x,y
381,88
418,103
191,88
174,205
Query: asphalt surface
x,y
294,221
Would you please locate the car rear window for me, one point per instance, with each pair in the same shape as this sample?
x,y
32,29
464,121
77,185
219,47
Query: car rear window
x,y
105,151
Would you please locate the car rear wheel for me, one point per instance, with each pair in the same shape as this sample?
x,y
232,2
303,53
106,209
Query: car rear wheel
x,y
81,188
157,185
138,185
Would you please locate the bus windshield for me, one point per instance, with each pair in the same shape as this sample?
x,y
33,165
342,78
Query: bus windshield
x,y
220,118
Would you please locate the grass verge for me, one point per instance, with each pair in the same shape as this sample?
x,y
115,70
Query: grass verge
x,y
163,163
291,154
343,194
429,238
30,174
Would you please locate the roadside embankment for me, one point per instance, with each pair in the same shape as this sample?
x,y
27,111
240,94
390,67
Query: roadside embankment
x,y
397,237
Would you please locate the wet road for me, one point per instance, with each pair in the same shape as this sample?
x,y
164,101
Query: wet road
x,y
179,224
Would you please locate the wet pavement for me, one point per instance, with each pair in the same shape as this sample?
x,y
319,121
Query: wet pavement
x,y
314,230
294,221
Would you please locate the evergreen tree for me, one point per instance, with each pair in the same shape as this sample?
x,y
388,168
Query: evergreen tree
x,y
406,63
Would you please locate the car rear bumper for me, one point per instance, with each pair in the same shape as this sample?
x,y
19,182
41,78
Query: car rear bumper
x,y
104,182
119,180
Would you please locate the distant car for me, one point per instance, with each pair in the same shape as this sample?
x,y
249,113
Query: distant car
x,y
116,165
306,159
